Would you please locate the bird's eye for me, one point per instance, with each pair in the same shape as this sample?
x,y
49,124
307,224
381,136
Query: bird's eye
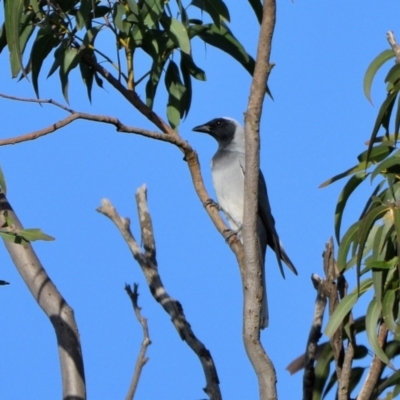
x,y
218,123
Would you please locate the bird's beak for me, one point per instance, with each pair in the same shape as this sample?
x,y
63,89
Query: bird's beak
x,y
202,128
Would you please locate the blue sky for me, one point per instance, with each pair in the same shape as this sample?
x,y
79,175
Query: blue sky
x,y
315,127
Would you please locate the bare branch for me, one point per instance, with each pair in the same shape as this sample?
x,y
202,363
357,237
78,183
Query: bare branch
x,y
313,338
141,359
54,306
148,264
395,47
375,370
252,284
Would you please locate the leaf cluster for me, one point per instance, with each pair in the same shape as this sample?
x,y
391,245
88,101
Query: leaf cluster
x,y
162,31
372,243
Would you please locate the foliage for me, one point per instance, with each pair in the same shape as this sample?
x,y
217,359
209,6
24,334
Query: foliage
x,y
371,244
163,32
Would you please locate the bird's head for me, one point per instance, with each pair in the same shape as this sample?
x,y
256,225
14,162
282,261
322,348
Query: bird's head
x,y
226,131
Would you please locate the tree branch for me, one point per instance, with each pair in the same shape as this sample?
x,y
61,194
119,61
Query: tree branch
x,y
252,286
148,263
141,359
52,303
375,370
395,47
313,338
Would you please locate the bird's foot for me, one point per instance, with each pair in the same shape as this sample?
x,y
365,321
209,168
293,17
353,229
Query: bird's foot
x,y
228,234
212,203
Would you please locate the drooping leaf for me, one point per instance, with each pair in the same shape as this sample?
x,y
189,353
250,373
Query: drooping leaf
x,y
382,119
83,14
192,68
342,310
176,92
223,39
13,12
87,74
154,79
376,63
3,38
371,323
41,48
151,12
119,11
257,7
357,168
366,225
215,8
387,310
349,239
177,33
348,189
69,62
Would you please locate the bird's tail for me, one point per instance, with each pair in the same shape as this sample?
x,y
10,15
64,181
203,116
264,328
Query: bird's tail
x,y
285,258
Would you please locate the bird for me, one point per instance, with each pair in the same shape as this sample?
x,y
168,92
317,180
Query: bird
x,y
228,169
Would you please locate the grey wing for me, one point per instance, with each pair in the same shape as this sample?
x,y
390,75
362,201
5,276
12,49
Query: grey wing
x,y
264,211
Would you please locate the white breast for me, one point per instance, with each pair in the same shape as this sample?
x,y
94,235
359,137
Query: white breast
x,y
228,181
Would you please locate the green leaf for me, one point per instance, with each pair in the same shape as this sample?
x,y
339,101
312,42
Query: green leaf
x,y
348,189
133,6
257,7
371,322
393,75
42,46
215,8
349,238
360,167
382,119
177,32
386,164
377,153
187,82
387,310
3,38
176,91
13,12
344,307
372,70
69,62
192,68
119,11
151,12
154,79
87,74
58,57
340,313
83,14
3,185
223,39
34,234
377,282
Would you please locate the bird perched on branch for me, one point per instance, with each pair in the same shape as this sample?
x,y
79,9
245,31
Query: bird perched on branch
x,y
228,169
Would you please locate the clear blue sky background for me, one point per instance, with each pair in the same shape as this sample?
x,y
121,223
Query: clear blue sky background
x,y
315,127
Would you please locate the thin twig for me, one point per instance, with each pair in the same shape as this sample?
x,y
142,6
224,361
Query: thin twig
x,y
141,359
148,264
